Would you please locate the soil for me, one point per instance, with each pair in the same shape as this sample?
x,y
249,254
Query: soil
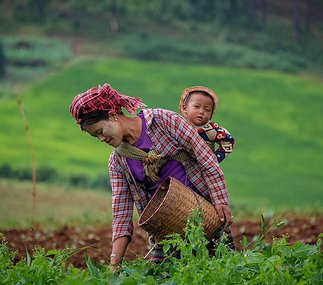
x,y
296,228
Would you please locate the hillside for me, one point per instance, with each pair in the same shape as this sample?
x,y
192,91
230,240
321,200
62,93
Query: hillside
x,y
272,115
259,34
264,60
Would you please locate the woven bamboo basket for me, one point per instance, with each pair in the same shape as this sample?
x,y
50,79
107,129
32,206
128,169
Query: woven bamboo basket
x,y
169,208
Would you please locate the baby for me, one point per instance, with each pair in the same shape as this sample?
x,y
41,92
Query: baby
x,y
197,105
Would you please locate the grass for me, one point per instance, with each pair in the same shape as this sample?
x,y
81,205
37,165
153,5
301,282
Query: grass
x,y
56,206
275,118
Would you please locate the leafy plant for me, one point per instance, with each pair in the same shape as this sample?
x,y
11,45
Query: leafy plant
x,y
276,263
263,263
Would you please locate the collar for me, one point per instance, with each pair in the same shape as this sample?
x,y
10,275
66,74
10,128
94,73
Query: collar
x,y
148,115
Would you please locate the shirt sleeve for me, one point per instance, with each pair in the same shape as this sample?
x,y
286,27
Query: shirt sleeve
x,y
122,203
191,141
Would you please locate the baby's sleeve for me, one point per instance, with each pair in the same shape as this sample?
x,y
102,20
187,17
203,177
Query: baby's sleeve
x,y
213,134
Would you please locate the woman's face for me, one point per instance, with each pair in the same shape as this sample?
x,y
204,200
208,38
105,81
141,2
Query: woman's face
x,y
108,131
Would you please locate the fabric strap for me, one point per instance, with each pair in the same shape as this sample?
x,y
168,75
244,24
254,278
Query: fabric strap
x,y
152,160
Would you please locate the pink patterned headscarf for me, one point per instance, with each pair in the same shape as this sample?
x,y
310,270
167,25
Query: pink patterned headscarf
x,y
103,98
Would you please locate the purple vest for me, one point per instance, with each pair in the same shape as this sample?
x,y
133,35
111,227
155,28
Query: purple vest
x,y
171,168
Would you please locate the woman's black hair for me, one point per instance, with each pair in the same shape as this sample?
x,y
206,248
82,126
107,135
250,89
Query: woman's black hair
x,y
94,117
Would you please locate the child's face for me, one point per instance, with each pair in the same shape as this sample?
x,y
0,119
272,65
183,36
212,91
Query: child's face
x,y
198,109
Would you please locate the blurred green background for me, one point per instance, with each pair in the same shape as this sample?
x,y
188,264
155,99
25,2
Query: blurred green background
x,y
263,58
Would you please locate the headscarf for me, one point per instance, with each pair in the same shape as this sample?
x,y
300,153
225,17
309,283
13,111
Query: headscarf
x,y
186,93
103,98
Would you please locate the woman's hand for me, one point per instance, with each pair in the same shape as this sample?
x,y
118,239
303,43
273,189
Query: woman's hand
x,y
119,247
115,264
224,214
115,259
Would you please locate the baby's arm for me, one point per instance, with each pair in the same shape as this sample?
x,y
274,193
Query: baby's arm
x,y
222,137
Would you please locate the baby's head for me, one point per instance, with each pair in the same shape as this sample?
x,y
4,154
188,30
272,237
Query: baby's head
x,y
198,104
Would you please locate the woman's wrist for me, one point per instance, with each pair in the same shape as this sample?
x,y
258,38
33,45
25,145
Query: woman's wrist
x,y
118,250
115,258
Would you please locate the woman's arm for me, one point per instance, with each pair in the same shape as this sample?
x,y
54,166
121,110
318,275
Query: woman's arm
x,y
119,247
122,209
188,138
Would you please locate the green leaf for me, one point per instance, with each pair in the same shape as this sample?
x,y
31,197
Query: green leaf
x,y
93,270
28,260
280,224
244,243
166,247
263,225
126,281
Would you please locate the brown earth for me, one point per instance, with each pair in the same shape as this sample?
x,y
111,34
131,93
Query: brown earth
x,y
296,228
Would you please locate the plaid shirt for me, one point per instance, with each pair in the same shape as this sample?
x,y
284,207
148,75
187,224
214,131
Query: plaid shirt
x,y
169,133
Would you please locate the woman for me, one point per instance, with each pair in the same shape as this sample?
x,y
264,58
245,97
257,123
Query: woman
x,y
160,134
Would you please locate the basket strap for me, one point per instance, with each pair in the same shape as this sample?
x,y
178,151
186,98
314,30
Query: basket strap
x,y
152,160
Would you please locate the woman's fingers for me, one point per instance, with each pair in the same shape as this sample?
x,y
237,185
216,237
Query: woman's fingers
x,y
224,214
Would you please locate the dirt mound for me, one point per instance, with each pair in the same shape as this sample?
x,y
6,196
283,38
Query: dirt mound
x,y
306,230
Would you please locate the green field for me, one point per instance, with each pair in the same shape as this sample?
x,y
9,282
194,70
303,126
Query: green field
x,y
54,206
275,118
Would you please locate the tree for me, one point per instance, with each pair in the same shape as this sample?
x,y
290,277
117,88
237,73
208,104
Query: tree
x,y
114,16
308,14
296,20
264,9
2,61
